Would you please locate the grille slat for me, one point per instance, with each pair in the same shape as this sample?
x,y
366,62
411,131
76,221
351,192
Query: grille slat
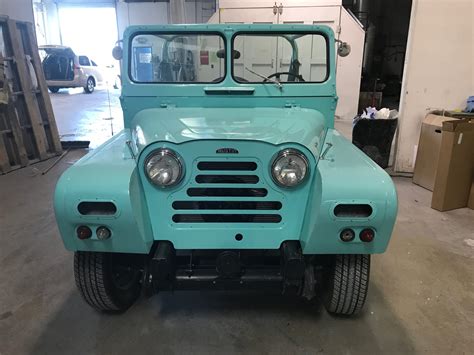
x,y
226,218
227,179
227,165
226,192
227,205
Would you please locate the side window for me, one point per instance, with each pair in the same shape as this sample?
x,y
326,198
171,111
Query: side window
x,y
83,60
94,64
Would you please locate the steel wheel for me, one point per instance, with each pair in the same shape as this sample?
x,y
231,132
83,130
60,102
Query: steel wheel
x,y
89,86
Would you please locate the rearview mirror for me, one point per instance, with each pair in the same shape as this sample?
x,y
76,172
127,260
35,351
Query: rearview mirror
x,y
221,54
344,49
117,53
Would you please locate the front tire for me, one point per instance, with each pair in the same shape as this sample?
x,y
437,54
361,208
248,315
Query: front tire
x,y
108,282
53,89
346,283
90,85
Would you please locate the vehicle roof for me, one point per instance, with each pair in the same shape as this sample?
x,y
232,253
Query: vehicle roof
x,y
232,27
53,46
57,49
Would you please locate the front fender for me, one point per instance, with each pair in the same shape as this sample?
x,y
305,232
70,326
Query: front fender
x,y
348,176
108,174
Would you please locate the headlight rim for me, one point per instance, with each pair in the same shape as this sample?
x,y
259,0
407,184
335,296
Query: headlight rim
x,y
284,153
172,153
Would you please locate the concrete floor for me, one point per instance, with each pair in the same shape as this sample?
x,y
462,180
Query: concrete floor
x,y
421,297
86,117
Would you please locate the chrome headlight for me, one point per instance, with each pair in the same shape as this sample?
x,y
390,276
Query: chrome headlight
x,y
164,167
289,168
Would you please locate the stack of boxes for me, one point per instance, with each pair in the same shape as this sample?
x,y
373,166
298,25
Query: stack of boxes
x,y
445,161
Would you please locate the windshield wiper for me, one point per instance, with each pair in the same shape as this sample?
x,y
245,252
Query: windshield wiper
x,y
276,82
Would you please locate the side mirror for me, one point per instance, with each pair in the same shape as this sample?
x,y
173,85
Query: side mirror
x,y
344,49
117,53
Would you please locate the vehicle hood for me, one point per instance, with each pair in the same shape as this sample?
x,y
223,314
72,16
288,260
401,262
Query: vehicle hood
x,y
272,125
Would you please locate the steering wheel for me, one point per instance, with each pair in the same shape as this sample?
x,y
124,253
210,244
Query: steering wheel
x,y
277,76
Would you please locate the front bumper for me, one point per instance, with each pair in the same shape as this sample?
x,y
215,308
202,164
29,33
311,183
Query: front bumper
x,y
169,269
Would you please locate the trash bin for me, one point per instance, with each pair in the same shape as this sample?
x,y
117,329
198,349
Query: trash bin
x,y
374,137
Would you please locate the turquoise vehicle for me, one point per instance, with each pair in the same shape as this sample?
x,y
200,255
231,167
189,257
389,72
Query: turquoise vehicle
x,y
229,173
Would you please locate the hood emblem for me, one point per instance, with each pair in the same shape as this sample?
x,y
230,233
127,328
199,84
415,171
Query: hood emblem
x,y
227,151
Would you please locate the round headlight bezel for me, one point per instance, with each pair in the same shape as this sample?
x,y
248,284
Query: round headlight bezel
x,y
170,153
283,154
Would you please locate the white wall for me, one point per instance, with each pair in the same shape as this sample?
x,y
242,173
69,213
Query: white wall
x,y
21,10
52,33
199,11
438,68
141,14
177,11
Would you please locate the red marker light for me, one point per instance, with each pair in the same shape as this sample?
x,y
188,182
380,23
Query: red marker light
x,y
367,235
84,232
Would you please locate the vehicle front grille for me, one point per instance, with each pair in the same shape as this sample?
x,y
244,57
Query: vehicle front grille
x,y
227,192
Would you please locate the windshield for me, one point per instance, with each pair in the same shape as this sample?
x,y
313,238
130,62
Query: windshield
x,y
177,58
285,58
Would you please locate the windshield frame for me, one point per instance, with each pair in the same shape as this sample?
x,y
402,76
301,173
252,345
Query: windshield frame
x,y
175,34
282,34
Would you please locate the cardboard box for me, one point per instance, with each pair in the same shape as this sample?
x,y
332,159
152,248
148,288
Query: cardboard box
x,y
429,147
455,166
470,203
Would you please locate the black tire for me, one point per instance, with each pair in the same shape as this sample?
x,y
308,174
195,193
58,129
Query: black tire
x,y
90,85
53,89
346,284
96,279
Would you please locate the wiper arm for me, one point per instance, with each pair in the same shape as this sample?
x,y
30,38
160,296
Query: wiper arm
x,y
276,82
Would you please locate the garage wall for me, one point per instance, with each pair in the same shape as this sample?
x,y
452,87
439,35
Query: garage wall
x,y
438,68
144,13
18,9
199,11
127,13
50,26
177,11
